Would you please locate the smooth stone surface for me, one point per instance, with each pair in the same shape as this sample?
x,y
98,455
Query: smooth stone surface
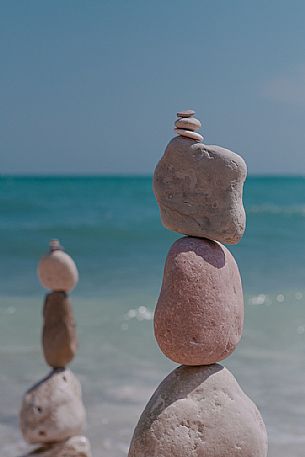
x,y
199,190
52,410
57,271
188,123
201,412
76,446
188,134
59,340
199,314
186,113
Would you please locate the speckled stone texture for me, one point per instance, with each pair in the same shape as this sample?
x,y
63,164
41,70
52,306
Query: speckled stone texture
x,y
52,410
59,334
57,271
199,190
201,412
77,446
199,314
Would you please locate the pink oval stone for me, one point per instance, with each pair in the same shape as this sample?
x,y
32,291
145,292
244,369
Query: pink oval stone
x,y
199,314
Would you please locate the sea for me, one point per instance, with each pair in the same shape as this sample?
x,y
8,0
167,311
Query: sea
x,y
111,227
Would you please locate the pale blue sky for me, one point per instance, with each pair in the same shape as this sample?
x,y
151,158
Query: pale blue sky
x,y
93,86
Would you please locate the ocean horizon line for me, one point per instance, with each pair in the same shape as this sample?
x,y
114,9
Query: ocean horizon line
x,y
129,175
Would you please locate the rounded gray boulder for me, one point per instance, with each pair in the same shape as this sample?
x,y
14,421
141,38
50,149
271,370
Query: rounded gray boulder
x,y
200,412
52,410
199,190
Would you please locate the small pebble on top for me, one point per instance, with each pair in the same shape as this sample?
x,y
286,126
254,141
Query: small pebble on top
x,y
186,125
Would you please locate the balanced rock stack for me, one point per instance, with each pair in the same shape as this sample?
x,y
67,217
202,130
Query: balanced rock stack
x,y
52,413
200,409
186,125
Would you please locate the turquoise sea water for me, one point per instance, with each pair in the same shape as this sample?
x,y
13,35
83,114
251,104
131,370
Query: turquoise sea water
x,y
111,227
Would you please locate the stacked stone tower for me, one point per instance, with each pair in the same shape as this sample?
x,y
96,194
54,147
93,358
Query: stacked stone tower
x,y
52,413
199,410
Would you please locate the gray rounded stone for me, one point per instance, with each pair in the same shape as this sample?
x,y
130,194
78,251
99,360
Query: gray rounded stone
x,y
189,123
199,190
189,134
52,410
186,113
57,271
201,412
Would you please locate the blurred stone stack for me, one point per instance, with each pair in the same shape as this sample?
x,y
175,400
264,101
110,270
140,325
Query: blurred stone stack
x,y
200,409
52,413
